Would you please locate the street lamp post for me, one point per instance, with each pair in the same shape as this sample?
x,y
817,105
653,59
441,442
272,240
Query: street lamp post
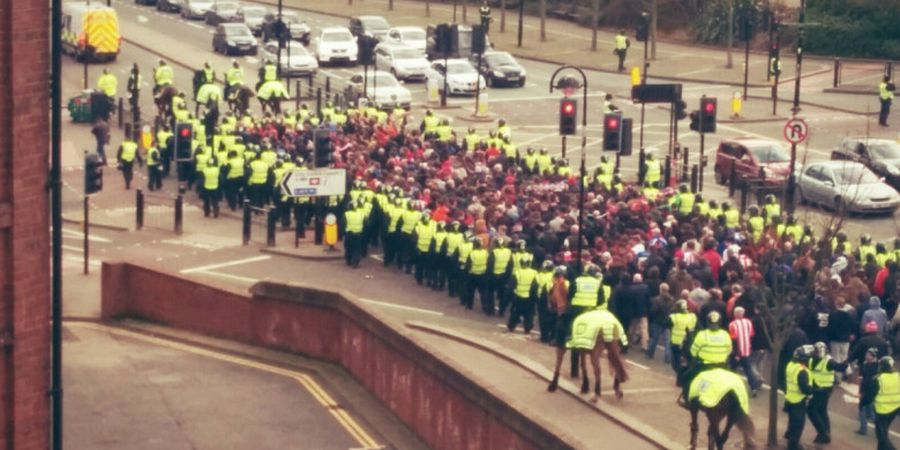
x,y
568,84
792,179
521,15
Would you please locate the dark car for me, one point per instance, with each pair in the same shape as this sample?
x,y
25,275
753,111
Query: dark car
x,y
253,16
299,30
223,12
145,2
172,6
234,39
881,156
371,26
500,69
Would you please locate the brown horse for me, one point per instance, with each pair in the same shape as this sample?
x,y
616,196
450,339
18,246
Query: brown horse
x,y
272,105
729,408
239,100
617,365
163,100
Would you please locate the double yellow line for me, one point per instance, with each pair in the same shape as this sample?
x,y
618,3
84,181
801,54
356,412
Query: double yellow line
x,y
314,389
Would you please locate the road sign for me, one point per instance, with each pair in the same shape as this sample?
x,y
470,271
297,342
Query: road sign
x,y
314,183
796,131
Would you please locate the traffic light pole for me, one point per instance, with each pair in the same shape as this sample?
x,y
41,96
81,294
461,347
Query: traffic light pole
x,y
702,165
85,232
478,85
643,106
792,180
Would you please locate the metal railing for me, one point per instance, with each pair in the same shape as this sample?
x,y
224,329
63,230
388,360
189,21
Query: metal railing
x,y
852,72
254,217
160,211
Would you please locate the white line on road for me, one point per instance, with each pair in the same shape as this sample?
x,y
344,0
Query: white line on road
x,y
640,366
73,248
79,235
407,308
228,275
226,264
142,19
377,257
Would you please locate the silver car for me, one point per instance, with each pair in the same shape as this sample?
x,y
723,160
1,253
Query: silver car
x,y
296,61
846,186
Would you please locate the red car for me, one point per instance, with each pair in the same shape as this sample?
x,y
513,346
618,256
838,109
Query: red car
x,y
754,159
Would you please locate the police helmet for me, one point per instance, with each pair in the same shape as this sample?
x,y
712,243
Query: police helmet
x,y
526,260
604,159
866,239
713,318
801,353
698,197
547,265
543,151
726,206
681,305
455,225
753,210
713,204
476,242
886,364
521,244
841,236
820,349
530,150
683,188
770,198
593,270
560,270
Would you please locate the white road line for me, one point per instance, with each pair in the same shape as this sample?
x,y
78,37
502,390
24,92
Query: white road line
x,y
226,264
73,248
80,260
640,366
142,19
407,308
377,257
229,276
80,235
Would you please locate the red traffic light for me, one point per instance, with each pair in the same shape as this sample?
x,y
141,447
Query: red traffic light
x,y
185,132
567,108
710,107
612,123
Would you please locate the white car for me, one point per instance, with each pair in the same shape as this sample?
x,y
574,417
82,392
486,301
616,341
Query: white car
x,y
296,61
382,89
404,62
195,9
461,77
411,36
336,44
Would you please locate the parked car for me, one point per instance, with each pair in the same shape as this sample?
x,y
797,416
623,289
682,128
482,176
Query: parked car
x,y
172,6
846,186
754,159
253,16
881,156
336,44
222,12
296,61
411,36
402,61
299,30
383,90
500,69
234,39
145,2
461,77
372,26
194,9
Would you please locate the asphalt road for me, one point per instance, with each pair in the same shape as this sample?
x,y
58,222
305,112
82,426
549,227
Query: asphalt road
x,y
531,109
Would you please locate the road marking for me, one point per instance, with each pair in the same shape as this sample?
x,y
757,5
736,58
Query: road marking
x,y
314,389
229,276
225,264
377,257
407,308
142,19
80,235
251,60
640,366
73,248
80,260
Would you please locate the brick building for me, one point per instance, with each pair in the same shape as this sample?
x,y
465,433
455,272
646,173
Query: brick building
x,y
24,225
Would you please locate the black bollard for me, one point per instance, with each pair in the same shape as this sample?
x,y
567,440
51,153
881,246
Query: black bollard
x,y
179,214
271,221
246,223
139,209
694,178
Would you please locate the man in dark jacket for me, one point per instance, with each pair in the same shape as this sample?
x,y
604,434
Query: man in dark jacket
x,y
638,295
841,328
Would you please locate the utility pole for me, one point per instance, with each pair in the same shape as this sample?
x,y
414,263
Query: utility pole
x,y
595,11
653,29
730,41
792,180
521,19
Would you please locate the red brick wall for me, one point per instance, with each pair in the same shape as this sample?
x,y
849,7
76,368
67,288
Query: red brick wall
x,y
444,407
24,246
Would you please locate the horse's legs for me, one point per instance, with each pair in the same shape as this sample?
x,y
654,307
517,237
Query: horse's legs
x,y
595,362
585,381
694,428
560,353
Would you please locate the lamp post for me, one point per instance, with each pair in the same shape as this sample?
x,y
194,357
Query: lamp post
x,y
521,15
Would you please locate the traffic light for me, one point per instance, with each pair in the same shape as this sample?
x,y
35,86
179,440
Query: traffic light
x,y
642,31
680,114
695,120
708,114
625,149
612,132
323,151
184,135
478,39
443,39
568,117
93,174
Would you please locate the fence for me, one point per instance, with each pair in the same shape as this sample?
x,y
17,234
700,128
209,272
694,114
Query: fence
x,y
860,72
255,217
160,211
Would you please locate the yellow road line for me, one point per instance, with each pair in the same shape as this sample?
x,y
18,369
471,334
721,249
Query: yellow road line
x,y
314,389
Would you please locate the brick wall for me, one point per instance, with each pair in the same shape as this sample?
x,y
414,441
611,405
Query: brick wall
x,y
24,247
445,407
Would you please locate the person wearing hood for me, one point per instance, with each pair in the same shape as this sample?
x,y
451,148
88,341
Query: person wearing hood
x,y
876,314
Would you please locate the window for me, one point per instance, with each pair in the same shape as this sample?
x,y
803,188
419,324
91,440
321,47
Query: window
x,y
815,172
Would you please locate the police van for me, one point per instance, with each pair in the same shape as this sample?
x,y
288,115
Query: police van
x,y
90,32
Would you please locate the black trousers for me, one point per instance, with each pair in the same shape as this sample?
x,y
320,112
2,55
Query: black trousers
x,y
882,428
233,192
353,248
474,282
211,199
128,173
154,177
796,421
546,319
621,55
522,308
817,410
885,110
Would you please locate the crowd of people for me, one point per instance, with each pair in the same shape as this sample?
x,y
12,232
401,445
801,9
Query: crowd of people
x,y
474,215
